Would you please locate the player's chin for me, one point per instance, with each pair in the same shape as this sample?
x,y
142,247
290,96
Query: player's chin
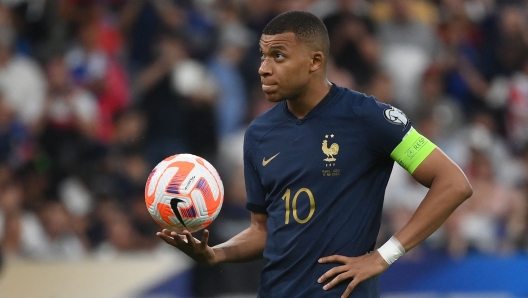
x,y
273,97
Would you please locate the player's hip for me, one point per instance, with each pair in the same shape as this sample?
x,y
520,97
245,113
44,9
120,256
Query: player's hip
x,y
302,287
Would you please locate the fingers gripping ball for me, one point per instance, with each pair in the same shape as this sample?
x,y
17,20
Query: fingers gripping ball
x,y
184,192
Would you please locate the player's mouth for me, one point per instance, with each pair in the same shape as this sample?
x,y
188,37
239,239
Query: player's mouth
x,y
269,88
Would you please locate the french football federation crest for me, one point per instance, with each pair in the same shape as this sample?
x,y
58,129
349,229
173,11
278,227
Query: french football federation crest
x,y
330,151
396,116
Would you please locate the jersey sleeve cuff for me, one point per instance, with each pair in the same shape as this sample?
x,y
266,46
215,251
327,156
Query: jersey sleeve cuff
x,y
256,208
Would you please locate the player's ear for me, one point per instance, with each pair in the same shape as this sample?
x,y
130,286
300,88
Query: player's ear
x,y
317,60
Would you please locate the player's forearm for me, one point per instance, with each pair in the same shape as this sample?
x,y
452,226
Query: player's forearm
x,y
444,196
244,247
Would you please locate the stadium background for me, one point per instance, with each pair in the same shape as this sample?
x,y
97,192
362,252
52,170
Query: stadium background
x,y
95,92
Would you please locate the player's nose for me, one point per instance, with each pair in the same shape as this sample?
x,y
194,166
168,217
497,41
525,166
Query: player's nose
x,y
264,69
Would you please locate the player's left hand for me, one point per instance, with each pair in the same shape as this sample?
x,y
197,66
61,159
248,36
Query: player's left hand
x,y
356,268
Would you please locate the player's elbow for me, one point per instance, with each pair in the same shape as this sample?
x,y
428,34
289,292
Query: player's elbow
x,y
457,184
463,189
468,190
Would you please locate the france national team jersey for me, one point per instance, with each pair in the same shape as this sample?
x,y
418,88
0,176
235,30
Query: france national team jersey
x,y
321,180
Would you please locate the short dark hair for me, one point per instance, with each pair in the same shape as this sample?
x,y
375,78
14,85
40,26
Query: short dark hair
x,y
306,26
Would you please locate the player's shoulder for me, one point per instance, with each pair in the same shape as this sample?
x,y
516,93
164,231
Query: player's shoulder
x,y
271,117
266,122
346,97
352,95
361,101
355,101
367,109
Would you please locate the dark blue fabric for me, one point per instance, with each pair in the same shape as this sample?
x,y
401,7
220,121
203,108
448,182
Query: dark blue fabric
x,y
331,172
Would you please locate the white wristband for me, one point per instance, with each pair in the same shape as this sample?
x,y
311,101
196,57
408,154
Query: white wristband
x,y
391,250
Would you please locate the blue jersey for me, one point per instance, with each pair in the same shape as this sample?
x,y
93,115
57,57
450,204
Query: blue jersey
x,y
321,180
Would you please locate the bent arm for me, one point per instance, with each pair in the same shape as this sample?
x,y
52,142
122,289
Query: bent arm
x,y
448,188
248,245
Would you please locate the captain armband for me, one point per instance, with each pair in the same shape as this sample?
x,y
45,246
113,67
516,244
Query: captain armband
x,y
412,150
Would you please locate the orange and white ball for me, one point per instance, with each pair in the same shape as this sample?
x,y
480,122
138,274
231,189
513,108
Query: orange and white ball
x,y
184,192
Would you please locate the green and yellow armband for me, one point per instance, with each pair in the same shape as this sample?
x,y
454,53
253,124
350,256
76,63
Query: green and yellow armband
x,y
412,150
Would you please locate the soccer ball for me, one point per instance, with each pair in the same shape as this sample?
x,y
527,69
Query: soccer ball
x,y
184,192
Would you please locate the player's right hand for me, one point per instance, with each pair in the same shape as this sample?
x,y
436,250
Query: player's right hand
x,y
198,250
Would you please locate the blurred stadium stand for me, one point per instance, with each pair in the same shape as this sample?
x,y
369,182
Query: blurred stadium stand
x,y
94,93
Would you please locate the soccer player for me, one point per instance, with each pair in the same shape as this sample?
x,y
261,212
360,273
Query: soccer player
x,y
316,169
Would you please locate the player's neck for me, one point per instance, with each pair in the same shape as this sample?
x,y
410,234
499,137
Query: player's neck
x,y
302,105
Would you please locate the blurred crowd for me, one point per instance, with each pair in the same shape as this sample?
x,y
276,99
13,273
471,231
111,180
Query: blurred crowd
x,y
94,93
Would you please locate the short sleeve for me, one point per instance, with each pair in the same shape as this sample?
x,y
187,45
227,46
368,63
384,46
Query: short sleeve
x,y
256,195
384,126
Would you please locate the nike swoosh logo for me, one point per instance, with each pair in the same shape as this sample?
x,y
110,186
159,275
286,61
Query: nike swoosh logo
x,y
265,162
174,206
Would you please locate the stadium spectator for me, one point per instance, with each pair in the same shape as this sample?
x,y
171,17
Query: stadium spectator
x,y
509,95
120,237
142,223
68,127
128,142
233,41
21,80
257,13
418,10
524,161
17,144
441,117
78,13
340,75
510,42
177,97
40,29
92,68
138,20
482,133
22,233
494,220
130,130
461,46
480,60
354,47
406,41
60,240
381,86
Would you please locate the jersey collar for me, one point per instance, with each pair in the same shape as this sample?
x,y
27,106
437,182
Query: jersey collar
x,y
319,107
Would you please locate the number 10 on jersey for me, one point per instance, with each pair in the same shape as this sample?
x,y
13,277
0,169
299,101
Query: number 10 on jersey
x,y
287,198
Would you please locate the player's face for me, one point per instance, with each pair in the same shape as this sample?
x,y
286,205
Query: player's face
x,y
284,66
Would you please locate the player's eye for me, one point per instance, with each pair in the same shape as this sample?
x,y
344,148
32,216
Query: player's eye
x,y
262,56
279,56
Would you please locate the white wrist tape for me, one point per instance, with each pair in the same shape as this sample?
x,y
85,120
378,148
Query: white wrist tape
x,y
391,250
